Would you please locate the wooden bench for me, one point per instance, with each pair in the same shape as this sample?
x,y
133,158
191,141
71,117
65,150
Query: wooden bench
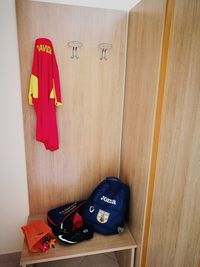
x,y
123,244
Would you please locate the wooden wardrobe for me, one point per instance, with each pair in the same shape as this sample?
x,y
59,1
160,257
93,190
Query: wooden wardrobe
x,y
161,131
136,115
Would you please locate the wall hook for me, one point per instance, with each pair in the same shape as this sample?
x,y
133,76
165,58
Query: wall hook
x,y
74,45
104,48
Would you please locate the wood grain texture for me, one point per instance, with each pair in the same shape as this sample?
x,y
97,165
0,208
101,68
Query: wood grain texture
x,y
175,226
146,23
157,126
98,244
89,121
126,258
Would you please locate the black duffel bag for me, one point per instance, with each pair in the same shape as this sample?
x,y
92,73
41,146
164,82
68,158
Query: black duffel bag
x,y
65,218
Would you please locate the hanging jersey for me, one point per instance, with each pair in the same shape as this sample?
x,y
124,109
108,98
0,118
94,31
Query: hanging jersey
x,y
44,93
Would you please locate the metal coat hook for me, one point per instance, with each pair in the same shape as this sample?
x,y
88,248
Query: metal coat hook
x,y
104,48
75,45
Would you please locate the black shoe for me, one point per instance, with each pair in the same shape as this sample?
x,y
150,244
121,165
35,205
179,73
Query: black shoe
x,y
76,236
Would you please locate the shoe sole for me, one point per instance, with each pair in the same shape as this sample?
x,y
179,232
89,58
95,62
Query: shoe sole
x,y
60,237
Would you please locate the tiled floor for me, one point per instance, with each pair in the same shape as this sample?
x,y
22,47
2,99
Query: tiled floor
x,y
10,260
101,260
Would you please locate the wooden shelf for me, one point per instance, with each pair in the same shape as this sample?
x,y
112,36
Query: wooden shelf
x,y
98,244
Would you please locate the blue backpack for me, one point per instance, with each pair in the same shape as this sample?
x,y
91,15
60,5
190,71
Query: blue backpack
x,y
107,207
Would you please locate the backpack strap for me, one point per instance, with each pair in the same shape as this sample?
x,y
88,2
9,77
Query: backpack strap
x,y
113,178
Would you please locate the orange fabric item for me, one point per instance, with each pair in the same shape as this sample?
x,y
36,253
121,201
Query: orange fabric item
x,y
35,232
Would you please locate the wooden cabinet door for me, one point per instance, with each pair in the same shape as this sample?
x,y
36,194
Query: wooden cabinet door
x,y
174,239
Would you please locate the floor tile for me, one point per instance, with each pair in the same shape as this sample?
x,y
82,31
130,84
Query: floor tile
x,y
100,260
9,264
111,255
62,263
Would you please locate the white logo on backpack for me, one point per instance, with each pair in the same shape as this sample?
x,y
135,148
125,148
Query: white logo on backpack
x,y
108,200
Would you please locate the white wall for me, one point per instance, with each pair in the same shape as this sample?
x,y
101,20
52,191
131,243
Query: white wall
x,y
13,185
108,4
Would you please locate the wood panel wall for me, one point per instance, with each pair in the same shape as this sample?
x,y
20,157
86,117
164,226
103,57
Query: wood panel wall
x,y
175,225
90,119
145,35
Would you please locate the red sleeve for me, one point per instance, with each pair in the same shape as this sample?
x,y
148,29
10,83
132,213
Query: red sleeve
x,y
56,81
35,61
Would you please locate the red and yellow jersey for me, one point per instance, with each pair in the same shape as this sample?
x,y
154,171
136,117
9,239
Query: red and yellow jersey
x,y
44,69
44,92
